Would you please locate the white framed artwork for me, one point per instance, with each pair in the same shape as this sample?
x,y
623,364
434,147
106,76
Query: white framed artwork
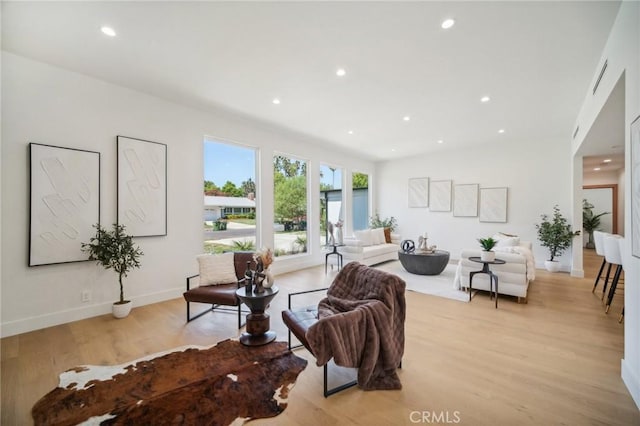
x,y
465,200
418,192
440,196
142,187
493,204
64,203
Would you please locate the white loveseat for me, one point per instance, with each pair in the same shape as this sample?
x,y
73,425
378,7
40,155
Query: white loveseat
x,y
370,247
513,277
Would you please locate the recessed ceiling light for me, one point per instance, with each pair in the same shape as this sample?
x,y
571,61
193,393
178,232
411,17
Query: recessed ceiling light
x,y
393,150
406,118
440,141
108,31
485,99
350,132
607,160
340,72
447,23
276,101
501,131
597,169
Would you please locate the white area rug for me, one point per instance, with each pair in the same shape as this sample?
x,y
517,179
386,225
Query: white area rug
x,y
435,285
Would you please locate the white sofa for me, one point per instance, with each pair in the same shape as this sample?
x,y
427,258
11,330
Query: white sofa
x,y
369,247
513,277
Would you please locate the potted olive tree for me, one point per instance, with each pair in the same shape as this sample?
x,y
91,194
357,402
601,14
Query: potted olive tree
x,y
555,234
114,250
487,244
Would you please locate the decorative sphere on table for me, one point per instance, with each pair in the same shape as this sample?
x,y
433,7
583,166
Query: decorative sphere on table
x,y
408,246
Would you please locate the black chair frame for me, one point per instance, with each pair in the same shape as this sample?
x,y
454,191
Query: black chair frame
x,y
326,391
216,306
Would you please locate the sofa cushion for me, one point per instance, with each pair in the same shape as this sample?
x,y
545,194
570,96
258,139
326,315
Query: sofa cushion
x,y
217,269
364,236
380,249
377,236
506,240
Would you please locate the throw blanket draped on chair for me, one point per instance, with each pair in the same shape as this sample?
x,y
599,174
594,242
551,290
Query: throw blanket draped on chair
x,y
361,325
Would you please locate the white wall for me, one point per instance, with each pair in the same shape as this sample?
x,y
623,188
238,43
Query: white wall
x,y
622,52
537,178
44,104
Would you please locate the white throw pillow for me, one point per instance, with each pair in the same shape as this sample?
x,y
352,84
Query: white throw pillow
x,y
506,240
377,236
217,269
364,236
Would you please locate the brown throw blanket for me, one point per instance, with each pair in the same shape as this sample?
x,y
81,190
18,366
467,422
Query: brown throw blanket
x,y
361,325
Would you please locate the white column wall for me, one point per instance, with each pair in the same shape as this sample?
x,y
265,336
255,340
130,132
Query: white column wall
x,y
45,104
622,52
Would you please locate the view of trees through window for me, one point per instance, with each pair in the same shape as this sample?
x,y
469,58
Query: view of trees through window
x,y
290,205
330,200
229,197
360,201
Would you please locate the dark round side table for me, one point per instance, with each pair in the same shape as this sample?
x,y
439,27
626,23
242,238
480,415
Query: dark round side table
x,y
485,270
258,332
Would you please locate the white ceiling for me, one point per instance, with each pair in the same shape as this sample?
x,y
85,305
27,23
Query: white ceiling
x,y
535,60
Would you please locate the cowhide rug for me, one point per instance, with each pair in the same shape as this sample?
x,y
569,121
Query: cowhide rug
x,y
190,386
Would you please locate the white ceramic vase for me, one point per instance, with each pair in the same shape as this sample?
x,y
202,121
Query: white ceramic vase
x,y
121,310
488,256
268,278
339,240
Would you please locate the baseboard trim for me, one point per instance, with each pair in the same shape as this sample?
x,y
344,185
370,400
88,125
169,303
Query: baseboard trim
x,y
11,328
631,381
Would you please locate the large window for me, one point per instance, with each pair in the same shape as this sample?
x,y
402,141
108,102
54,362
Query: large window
x,y
360,201
330,200
229,197
290,205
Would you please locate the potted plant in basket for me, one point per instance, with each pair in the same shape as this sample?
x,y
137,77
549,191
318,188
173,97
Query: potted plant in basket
x,y
555,234
114,250
487,244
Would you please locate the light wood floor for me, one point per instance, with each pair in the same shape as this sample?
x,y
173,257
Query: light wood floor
x,y
555,360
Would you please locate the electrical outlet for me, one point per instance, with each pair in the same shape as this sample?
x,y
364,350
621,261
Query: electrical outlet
x,y
85,296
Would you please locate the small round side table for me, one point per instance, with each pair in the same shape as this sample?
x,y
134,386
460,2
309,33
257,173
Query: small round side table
x,y
485,270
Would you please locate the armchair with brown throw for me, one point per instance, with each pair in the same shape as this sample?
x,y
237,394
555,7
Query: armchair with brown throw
x,y
219,278
360,324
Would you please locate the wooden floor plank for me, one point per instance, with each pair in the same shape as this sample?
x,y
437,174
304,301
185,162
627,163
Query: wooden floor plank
x,y
554,360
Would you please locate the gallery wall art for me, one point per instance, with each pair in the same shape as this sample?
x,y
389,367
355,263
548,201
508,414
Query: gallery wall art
x,y
493,204
440,196
64,186
465,200
419,192
142,186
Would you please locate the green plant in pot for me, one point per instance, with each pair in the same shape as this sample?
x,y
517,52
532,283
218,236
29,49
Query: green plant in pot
x,y
114,249
555,234
487,245
376,221
590,221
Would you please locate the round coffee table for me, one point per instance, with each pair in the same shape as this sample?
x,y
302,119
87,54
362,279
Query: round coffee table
x,y
421,263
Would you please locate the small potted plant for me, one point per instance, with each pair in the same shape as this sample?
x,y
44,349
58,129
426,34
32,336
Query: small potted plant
x,y
556,234
114,250
487,244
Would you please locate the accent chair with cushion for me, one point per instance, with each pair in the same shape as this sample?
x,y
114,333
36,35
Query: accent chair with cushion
x,y
216,284
514,276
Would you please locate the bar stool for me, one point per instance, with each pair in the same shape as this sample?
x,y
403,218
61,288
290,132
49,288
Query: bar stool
x,y
612,255
598,237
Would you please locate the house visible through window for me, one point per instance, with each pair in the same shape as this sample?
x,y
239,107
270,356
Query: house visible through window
x,y
229,197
